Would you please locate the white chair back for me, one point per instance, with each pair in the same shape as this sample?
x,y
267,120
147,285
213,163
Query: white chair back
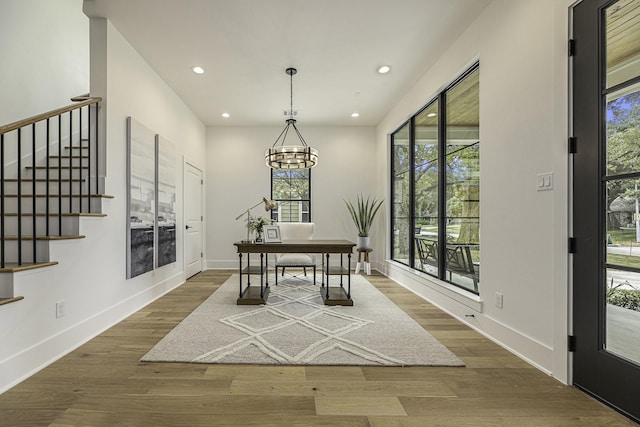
x,y
296,230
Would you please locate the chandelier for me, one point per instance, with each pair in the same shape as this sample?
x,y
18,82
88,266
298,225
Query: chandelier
x,y
299,156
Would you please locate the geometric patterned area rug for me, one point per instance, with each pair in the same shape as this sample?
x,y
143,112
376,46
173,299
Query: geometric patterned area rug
x,y
296,328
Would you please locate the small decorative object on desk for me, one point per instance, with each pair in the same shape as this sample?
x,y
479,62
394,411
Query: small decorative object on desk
x,y
271,234
256,225
268,206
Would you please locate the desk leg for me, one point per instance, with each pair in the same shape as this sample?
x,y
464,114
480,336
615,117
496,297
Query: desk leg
x,y
261,276
337,295
248,270
240,270
252,295
327,267
348,275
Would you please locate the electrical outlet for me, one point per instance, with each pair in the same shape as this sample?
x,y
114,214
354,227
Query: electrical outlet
x,y
60,308
498,300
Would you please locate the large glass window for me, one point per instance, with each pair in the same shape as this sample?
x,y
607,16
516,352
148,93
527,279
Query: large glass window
x,y
427,184
291,188
462,192
400,215
436,186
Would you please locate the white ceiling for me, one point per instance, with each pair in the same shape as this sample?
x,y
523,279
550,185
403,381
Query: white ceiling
x,y
246,45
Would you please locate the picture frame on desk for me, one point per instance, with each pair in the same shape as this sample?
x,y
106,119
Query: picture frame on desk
x,y
271,234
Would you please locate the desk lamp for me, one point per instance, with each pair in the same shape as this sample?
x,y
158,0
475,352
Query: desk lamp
x,y
269,205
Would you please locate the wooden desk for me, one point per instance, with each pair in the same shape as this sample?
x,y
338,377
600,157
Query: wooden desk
x,y
333,296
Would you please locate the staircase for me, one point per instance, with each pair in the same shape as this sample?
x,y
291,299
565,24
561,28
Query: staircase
x,y
49,179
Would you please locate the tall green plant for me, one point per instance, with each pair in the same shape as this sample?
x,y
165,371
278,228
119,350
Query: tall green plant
x,y
363,213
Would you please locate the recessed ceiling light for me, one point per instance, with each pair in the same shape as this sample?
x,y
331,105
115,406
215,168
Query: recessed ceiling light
x,y
384,69
431,115
198,70
226,115
355,114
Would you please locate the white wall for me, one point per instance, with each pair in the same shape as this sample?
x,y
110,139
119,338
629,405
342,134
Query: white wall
x,y
34,80
238,178
91,274
523,131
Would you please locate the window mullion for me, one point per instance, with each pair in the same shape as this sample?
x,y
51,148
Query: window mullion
x,y
442,184
412,191
309,193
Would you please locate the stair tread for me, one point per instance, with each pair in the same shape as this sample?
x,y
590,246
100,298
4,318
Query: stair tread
x,y
13,238
13,267
58,167
86,214
74,156
104,196
43,180
4,301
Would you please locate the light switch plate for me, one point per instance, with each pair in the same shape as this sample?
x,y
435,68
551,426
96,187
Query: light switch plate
x,y
545,181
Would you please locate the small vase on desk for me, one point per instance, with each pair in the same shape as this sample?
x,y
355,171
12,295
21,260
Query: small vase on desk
x,y
259,237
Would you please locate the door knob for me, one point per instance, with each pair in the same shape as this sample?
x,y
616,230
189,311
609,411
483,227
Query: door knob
x,y
188,227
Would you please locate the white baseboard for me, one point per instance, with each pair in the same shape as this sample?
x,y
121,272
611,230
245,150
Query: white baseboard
x,y
468,310
221,264
29,361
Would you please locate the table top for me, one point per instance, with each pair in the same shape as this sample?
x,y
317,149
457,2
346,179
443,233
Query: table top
x,y
298,246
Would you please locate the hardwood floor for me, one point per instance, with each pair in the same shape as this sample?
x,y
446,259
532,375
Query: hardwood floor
x,y
102,383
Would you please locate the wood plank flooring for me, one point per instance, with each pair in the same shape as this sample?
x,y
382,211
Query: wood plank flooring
x,y
102,383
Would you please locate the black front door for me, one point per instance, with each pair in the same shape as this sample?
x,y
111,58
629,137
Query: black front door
x,y
606,201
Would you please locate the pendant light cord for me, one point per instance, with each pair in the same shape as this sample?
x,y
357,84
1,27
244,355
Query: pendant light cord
x,y
291,109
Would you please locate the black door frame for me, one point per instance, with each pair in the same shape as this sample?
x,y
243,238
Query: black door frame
x,y
602,374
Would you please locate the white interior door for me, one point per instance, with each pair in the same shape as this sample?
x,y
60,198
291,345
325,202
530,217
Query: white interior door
x,y
193,232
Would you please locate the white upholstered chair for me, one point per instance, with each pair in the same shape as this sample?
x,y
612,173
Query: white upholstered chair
x,y
296,231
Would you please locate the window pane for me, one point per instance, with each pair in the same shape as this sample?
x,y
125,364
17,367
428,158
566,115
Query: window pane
x,y
623,41
623,314
462,191
623,131
622,209
426,189
291,211
291,188
400,221
623,227
291,184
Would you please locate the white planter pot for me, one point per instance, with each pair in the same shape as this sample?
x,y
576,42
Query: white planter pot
x,y
364,242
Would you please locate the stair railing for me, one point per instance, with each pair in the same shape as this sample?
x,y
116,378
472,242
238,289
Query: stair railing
x,y
75,125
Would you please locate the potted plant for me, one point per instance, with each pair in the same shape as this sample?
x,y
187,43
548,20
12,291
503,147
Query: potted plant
x,y
363,213
256,224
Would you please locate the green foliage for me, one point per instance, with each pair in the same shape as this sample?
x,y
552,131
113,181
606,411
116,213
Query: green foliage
x,y
624,260
625,298
290,184
256,224
623,144
363,213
